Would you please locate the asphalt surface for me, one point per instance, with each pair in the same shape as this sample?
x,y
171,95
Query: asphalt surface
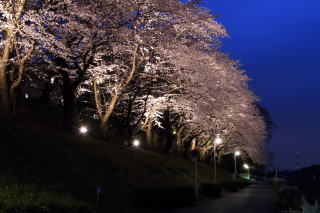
x,y
254,199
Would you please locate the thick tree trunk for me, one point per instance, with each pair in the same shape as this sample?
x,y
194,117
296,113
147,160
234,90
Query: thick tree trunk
x,y
69,103
149,135
179,140
45,96
16,83
5,104
5,99
69,111
107,115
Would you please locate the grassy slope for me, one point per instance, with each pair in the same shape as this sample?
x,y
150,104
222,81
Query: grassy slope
x,y
41,165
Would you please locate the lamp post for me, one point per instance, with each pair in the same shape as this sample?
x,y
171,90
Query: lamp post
x,y
217,141
236,154
246,166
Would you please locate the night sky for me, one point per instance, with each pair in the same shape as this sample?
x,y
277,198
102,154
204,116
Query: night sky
x,y
278,43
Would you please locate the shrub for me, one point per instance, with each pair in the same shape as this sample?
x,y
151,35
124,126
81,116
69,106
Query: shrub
x,y
24,198
277,184
289,198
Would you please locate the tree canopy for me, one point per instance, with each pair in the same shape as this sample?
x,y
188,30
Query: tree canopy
x,y
152,65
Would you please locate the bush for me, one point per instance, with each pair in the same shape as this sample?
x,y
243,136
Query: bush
x,y
162,198
24,198
289,198
278,184
211,190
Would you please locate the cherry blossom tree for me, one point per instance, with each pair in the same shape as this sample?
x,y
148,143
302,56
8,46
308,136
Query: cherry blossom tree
x,y
16,47
72,34
136,59
152,28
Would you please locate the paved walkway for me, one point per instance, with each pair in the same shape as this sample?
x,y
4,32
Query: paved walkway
x,y
254,199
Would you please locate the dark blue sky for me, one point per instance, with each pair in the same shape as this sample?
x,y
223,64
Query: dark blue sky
x,y
278,43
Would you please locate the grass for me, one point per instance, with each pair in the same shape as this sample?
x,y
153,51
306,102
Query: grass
x,y
43,170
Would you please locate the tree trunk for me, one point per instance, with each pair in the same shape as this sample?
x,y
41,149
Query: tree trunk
x,y
69,111
180,140
115,98
149,133
69,103
45,96
107,115
5,104
5,100
16,83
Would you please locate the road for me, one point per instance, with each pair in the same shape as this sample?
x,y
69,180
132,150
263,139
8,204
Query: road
x,y
254,199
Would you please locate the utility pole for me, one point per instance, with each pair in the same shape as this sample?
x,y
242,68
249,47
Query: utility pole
x,y
216,142
236,153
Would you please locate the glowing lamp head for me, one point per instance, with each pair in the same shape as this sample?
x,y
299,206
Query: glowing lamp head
x,y
83,130
218,141
174,132
237,153
52,80
246,166
136,143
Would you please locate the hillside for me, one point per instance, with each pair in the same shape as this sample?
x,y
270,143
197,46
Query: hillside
x,y
48,171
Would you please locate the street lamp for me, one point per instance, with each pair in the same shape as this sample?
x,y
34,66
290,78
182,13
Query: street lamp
x,y
136,143
83,130
217,141
236,154
246,166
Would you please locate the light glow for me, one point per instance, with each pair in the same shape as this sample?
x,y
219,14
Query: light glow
x,y
246,166
83,130
136,143
218,140
237,153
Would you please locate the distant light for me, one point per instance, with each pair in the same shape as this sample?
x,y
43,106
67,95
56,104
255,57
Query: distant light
x,y
218,140
26,96
52,80
237,153
83,130
174,132
246,166
136,143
